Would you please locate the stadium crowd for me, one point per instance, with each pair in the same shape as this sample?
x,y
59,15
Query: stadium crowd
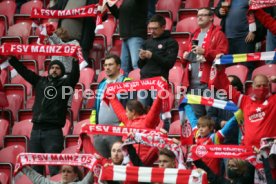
x,y
168,106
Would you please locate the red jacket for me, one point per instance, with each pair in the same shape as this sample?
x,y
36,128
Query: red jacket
x,y
147,154
268,21
218,44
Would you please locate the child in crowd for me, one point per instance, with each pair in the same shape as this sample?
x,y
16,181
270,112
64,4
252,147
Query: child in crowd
x,y
204,134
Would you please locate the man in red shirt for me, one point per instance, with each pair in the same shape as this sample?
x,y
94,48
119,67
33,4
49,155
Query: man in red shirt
x,y
258,108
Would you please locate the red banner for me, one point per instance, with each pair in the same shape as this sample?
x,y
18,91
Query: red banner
x,y
85,11
221,151
46,50
155,83
85,160
115,130
259,4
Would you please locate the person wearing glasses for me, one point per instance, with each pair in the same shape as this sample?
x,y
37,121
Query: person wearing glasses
x,y
207,41
156,57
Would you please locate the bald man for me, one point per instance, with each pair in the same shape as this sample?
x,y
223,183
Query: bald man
x,y
258,108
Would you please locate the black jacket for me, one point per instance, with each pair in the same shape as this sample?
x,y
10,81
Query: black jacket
x,y
164,53
216,179
48,113
132,16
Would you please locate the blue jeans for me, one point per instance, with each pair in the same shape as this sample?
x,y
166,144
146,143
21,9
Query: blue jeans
x,y
270,44
46,141
130,53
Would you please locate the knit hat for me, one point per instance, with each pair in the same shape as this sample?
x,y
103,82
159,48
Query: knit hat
x,y
57,62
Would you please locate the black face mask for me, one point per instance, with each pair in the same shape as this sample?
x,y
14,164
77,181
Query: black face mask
x,y
233,173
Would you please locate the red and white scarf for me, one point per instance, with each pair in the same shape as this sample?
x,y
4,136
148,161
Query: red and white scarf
x,y
155,83
259,4
24,159
153,175
46,50
156,140
84,143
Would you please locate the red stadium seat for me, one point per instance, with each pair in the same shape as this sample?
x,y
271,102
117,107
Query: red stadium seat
x,y
134,74
197,3
23,179
84,114
9,153
175,75
188,24
4,178
77,127
71,140
4,78
71,149
11,39
240,71
109,27
8,8
21,29
67,127
3,25
169,24
182,39
24,114
216,21
7,169
186,13
4,130
19,18
99,49
175,115
86,77
15,102
76,104
17,89
168,5
26,8
23,128
116,44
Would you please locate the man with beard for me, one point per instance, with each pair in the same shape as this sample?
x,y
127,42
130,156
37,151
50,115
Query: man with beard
x,y
50,106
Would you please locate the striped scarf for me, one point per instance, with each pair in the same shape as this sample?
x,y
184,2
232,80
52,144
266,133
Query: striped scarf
x,y
240,58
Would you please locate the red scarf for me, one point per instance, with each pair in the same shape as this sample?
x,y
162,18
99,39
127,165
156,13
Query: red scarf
x,y
259,4
24,159
85,11
85,143
152,175
157,140
155,83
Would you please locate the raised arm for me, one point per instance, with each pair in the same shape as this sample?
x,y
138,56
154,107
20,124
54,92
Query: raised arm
x,y
27,74
152,119
74,76
35,177
268,21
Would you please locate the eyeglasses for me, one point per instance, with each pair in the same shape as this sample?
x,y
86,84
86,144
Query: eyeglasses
x,y
203,15
153,28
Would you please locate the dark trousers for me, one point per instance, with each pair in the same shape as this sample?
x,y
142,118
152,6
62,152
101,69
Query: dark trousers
x,y
46,141
238,46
